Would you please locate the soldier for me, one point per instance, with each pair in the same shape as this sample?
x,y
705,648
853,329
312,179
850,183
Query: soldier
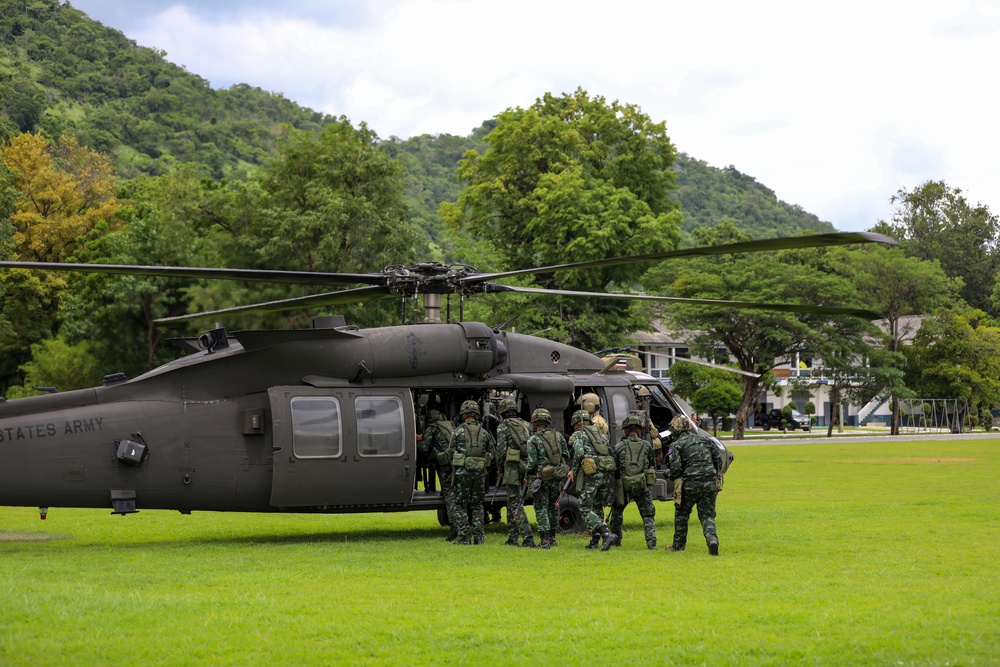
x,y
592,403
642,399
437,443
547,470
471,450
593,465
512,454
637,472
695,463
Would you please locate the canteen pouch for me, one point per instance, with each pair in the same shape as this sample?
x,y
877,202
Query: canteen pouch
x,y
475,463
561,471
511,474
443,458
513,455
650,477
458,459
606,464
589,466
547,473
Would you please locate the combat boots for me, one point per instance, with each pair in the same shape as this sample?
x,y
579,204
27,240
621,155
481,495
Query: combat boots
x,y
552,538
452,534
651,545
595,541
511,542
529,543
713,548
545,543
609,539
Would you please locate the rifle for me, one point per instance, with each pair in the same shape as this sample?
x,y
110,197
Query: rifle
x,y
524,489
496,488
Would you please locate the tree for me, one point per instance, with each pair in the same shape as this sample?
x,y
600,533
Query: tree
x,y
717,399
936,222
900,288
55,363
757,340
572,178
64,189
956,355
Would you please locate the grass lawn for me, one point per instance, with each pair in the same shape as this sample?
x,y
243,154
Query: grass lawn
x,y
843,553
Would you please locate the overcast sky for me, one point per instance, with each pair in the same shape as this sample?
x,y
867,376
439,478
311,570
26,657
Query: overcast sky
x,y
835,105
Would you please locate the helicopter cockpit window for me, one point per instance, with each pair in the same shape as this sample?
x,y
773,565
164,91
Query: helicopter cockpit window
x,y
316,427
380,425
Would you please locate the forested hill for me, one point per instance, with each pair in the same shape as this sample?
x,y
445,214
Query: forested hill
x,y
61,72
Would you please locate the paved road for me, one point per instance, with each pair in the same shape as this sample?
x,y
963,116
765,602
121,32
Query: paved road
x,y
792,439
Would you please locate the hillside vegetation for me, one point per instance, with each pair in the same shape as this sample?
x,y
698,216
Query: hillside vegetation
x,y
61,72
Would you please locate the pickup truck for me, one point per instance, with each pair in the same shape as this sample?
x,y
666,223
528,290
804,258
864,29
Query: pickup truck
x,y
772,419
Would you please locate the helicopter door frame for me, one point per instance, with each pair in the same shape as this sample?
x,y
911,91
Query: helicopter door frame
x,y
337,448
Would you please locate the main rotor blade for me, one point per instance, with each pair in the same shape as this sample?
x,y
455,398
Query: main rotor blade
x,y
261,275
709,364
314,301
747,305
812,241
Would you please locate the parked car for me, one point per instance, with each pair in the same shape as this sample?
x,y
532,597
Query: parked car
x,y
773,419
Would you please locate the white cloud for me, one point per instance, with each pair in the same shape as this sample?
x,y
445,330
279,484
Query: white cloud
x,y
833,106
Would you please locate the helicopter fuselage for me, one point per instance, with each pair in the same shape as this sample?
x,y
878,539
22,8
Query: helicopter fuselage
x,y
318,420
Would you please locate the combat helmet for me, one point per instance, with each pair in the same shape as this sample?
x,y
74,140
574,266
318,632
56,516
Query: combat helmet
x,y
681,423
470,408
436,416
632,421
580,416
589,402
508,404
541,415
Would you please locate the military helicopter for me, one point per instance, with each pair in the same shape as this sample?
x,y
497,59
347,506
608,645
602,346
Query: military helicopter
x,y
323,419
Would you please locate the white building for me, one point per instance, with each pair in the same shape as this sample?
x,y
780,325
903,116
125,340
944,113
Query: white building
x,y
660,348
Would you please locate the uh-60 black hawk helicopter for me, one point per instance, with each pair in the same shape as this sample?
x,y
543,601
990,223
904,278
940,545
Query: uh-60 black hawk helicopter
x,y
323,419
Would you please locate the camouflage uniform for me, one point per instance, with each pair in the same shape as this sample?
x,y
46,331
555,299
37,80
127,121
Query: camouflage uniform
x,y
472,446
634,456
697,460
588,443
437,445
512,436
546,447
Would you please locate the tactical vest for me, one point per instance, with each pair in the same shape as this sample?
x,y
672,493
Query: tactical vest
x,y
548,438
633,449
441,453
472,432
520,432
597,440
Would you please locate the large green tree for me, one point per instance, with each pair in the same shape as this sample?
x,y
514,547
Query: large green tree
x,y
328,202
757,340
900,288
936,222
571,178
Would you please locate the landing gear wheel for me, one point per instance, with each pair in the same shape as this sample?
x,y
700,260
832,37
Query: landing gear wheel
x,y
570,516
443,516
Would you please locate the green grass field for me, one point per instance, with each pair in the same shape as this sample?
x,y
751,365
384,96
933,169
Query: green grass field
x,y
847,553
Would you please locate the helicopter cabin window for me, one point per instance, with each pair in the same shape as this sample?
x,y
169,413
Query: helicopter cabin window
x,y
380,425
620,406
316,427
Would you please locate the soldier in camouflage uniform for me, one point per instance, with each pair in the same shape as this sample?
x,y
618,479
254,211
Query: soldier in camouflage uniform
x,y
593,466
436,443
547,470
697,461
472,449
592,403
636,473
512,454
